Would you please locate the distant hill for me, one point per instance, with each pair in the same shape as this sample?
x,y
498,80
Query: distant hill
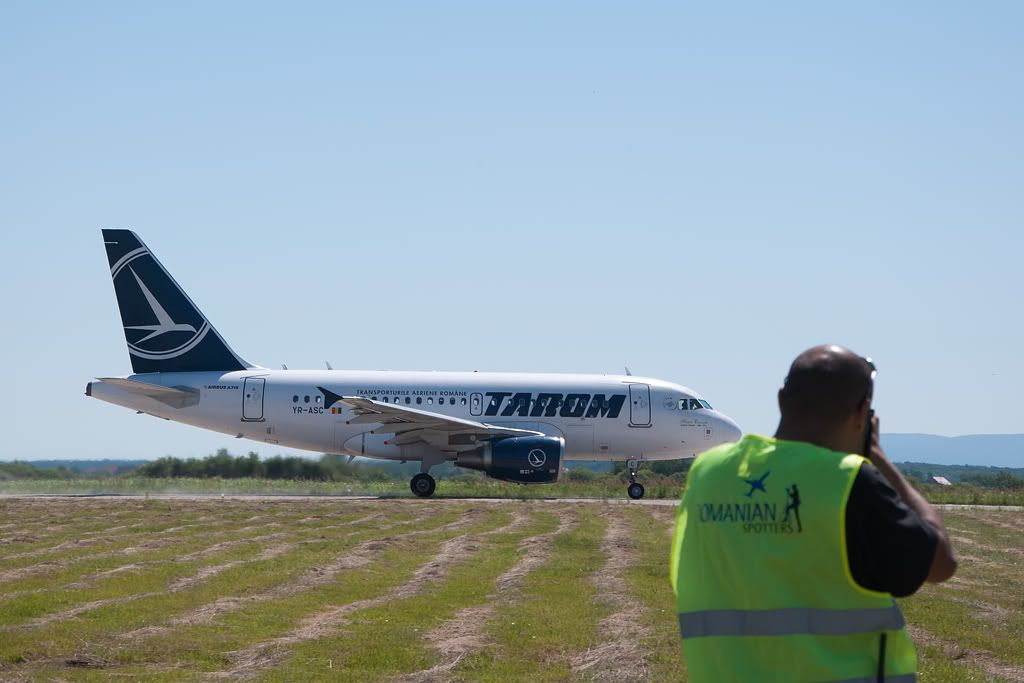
x,y
994,450
1002,477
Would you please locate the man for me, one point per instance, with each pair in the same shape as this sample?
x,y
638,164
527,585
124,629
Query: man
x,y
791,577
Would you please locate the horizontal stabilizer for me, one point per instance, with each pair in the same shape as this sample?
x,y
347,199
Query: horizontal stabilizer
x,y
175,397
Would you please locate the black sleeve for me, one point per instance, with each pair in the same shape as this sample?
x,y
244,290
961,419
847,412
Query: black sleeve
x,y
890,547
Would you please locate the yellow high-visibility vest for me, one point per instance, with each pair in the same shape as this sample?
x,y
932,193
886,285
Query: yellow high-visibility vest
x,y
763,585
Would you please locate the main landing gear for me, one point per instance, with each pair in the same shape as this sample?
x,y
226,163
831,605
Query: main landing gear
x,y
636,489
423,485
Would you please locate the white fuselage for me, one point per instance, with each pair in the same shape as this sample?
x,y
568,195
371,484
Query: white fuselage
x,y
601,417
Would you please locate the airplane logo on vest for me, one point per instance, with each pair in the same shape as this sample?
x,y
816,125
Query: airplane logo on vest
x,y
525,404
756,485
761,515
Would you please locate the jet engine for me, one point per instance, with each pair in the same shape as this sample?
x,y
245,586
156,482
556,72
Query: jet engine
x,y
520,459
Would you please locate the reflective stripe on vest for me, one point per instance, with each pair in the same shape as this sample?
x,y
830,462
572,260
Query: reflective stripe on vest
x,y
898,678
789,621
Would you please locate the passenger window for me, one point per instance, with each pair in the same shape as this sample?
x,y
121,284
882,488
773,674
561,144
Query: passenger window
x,y
385,399
695,404
305,399
430,401
319,398
395,400
419,400
463,401
408,400
295,398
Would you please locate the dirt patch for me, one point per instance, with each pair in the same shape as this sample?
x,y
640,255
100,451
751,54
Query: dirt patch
x,y
84,661
248,662
663,514
31,570
18,538
666,517
980,659
275,550
465,632
620,656
148,545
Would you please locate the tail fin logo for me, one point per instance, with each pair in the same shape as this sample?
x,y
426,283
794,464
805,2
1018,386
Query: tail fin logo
x,y
155,330
164,324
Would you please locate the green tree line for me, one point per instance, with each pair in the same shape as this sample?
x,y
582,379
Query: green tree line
x,y
226,466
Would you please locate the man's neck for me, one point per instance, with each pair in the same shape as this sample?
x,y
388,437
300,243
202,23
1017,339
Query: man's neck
x,y
809,434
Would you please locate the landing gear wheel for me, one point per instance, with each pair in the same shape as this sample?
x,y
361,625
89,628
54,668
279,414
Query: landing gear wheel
x,y
423,485
636,489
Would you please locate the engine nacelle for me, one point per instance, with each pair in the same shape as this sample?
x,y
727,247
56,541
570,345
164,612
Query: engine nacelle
x,y
520,459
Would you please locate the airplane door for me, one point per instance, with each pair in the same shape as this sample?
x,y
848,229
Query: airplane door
x,y
476,404
252,399
639,405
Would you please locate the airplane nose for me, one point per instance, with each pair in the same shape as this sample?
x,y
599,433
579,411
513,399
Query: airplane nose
x,y
728,429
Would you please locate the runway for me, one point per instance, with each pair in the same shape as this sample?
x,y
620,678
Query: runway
x,y
662,502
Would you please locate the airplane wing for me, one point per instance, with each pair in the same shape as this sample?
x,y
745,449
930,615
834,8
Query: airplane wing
x,y
411,425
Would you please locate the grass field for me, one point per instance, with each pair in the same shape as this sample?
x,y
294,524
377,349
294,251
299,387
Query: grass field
x,y
408,590
599,486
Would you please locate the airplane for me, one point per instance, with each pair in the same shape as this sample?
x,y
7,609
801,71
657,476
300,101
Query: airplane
x,y
517,427
756,485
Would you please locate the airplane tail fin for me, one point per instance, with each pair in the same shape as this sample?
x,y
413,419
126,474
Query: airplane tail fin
x,y
164,330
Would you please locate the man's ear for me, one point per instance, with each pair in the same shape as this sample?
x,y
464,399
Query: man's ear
x,y
860,417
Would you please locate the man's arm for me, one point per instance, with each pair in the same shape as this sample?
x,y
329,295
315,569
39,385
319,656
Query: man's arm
x,y
944,563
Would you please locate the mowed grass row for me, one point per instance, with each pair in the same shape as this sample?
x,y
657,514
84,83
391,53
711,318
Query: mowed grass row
x,y
972,627
154,568
100,633
361,590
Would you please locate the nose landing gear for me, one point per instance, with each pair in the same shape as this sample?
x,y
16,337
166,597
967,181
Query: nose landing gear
x,y
423,485
636,489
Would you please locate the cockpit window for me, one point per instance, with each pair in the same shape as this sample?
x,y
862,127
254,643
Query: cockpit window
x,y
693,404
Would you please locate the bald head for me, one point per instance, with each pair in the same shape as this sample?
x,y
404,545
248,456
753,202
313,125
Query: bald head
x,y
826,384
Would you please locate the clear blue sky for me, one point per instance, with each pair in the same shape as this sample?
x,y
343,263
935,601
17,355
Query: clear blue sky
x,y
697,192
